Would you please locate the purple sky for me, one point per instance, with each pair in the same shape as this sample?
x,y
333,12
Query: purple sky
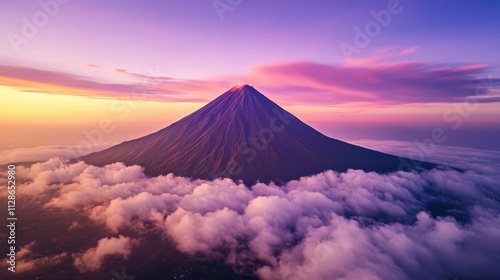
x,y
426,58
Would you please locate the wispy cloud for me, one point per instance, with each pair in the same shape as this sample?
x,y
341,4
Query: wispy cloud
x,y
367,80
382,83
149,88
29,261
408,51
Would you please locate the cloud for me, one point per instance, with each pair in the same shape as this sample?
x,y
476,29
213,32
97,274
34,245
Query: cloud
x,y
486,162
148,87
363,80
380,56
119,70
404,82
121,212
74,225
92,259
429,249
410,50
27,261
435,224
43,153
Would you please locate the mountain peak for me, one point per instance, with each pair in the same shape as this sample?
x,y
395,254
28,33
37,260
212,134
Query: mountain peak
x,y
244,135
242,95
243,89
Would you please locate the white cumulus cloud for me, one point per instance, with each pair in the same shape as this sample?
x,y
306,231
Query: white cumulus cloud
x,y
435,224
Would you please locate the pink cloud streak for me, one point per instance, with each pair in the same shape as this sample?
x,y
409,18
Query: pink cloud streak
x,y
288,83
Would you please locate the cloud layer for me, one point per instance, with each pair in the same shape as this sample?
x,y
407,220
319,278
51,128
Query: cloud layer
x,y
43,153
147,87
288,83
354,225
396,83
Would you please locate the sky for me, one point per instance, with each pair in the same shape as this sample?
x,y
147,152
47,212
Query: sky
x,y
107,71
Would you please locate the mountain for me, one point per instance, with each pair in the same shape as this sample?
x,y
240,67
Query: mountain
x,y
244,135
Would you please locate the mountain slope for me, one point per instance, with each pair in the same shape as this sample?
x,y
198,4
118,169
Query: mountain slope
x,y
244,135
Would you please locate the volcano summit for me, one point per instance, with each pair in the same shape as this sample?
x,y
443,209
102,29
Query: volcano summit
x,y
244,135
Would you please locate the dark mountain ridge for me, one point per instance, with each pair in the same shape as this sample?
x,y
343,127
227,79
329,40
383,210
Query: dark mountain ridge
x,y
244,135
